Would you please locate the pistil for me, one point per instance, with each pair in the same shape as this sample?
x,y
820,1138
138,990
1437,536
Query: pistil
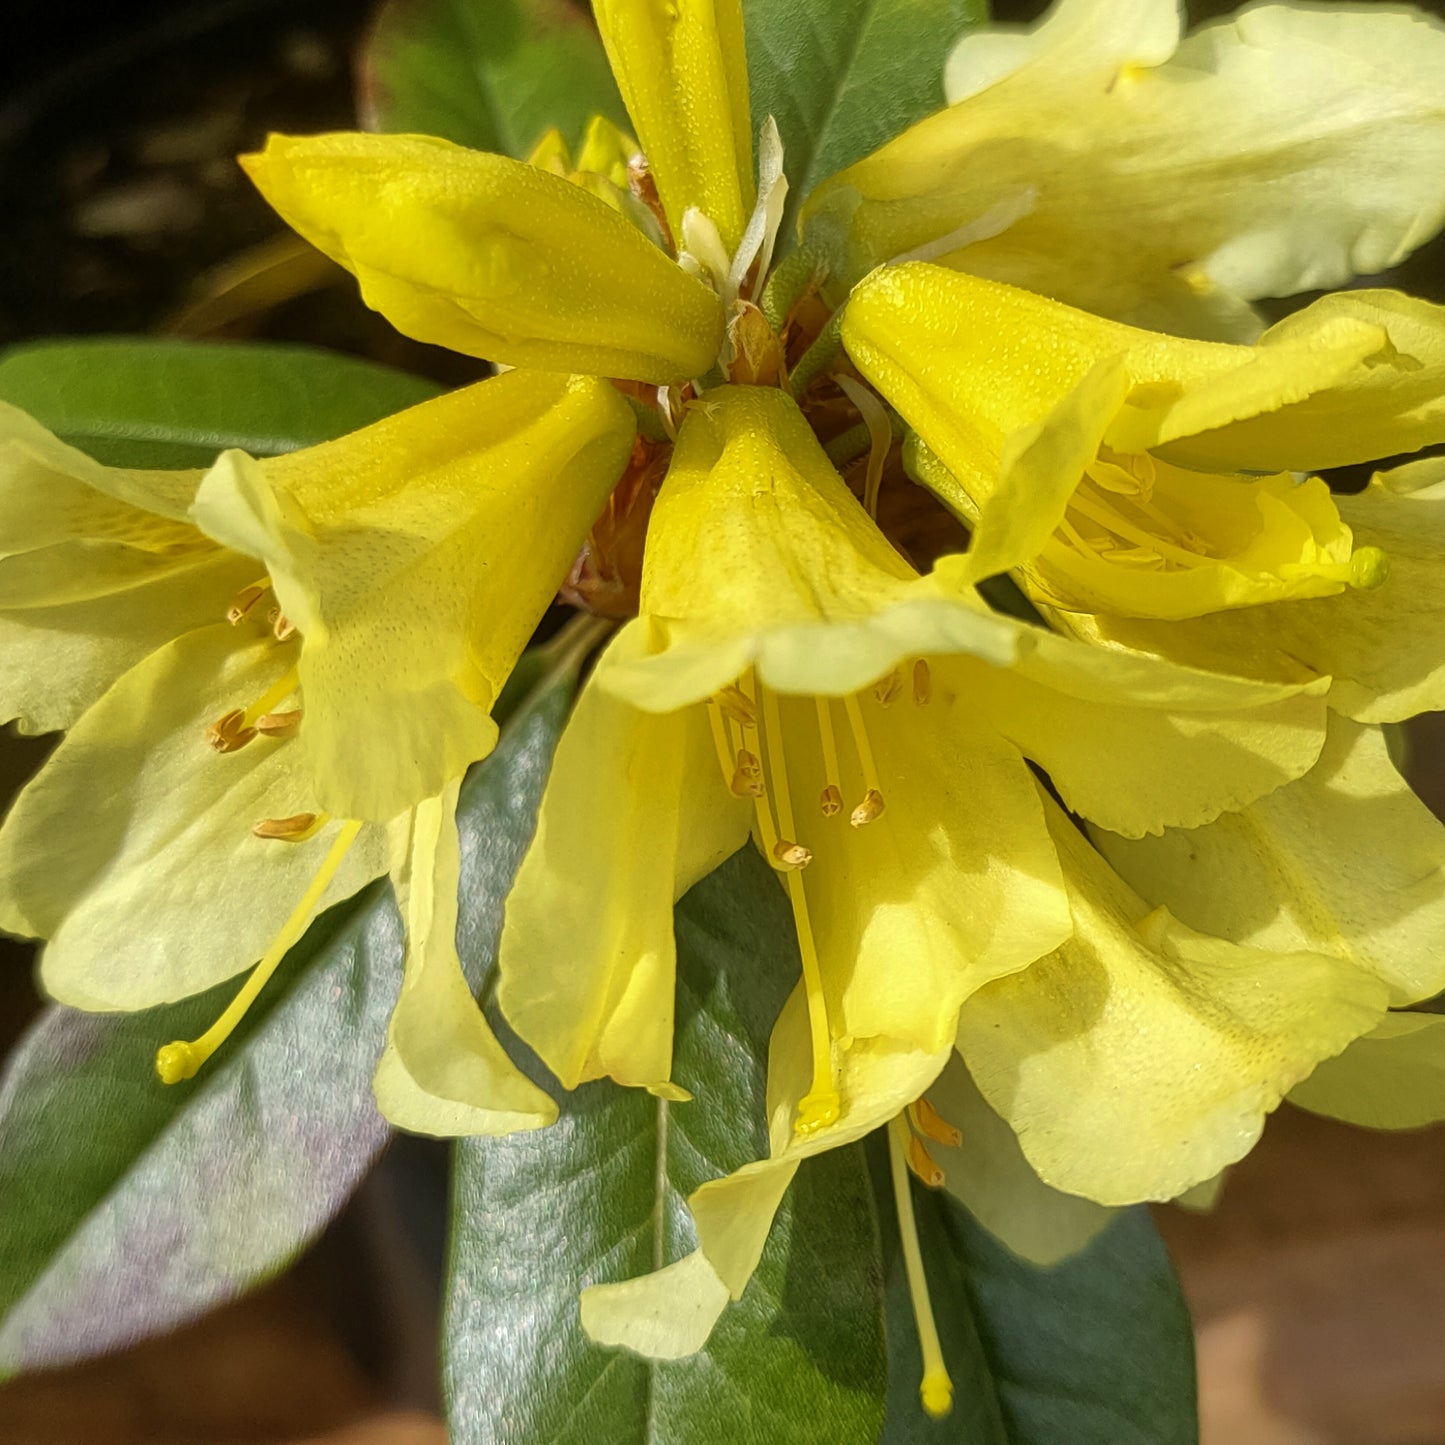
x,y
936,1388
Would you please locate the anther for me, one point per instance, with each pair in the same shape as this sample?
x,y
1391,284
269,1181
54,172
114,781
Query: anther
x,y
887,688
923,1164
737,705
831,801
279,724
790,856
245,600
281,625
747,778
295,829
230,733
922,682
870,808
927,1120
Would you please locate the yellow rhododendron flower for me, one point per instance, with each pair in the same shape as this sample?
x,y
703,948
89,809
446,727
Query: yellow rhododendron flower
x,y
792,675
1101,160
811,666
246,769
1138,475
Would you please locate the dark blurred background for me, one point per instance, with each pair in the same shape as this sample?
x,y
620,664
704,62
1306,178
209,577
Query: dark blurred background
x,y
1318,1285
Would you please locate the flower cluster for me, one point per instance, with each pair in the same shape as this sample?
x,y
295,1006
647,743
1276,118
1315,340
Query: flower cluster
x,y
973,565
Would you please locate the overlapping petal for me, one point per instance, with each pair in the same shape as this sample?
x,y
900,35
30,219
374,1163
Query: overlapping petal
x,y
416,556
683,73
1384,647
135,828
99,567
492,257
1141,1057
1345,861
1287,149
1391,1078
443,1071
670,1313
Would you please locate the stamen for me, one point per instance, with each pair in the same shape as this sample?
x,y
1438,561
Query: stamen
x,y
927,1120
281,625
747,778
295,829
936,1389
278,724
181,1059
872,805
868,810
245,600
737,705
880,436
923,1164
819,1106
831,799
230,733
789,856
887,688
922,682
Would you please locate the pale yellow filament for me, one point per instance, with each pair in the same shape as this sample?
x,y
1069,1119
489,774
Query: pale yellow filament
x,y
180,1060
819,1107
936,1388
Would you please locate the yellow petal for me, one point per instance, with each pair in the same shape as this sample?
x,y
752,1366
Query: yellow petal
x,y
758,553
989,1174
443,1071
915,911
95,572
682,71
1392,1078
1014,395
1142,1057
1346,861
1384,646
669,1313
634,813
1282,151
135,828
877,1078
415,557
666,1315
492,257
1137,744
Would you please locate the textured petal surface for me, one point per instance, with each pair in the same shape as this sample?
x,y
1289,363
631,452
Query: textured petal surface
x,y
1287,149
491,256
416,556
1346,861
683,71
635,812
443,1071
135,828
1142,1057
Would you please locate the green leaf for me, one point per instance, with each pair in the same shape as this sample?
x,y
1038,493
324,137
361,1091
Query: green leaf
x,y
1097,1350
493,76
841,77
143,402
130,1207
599,1196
